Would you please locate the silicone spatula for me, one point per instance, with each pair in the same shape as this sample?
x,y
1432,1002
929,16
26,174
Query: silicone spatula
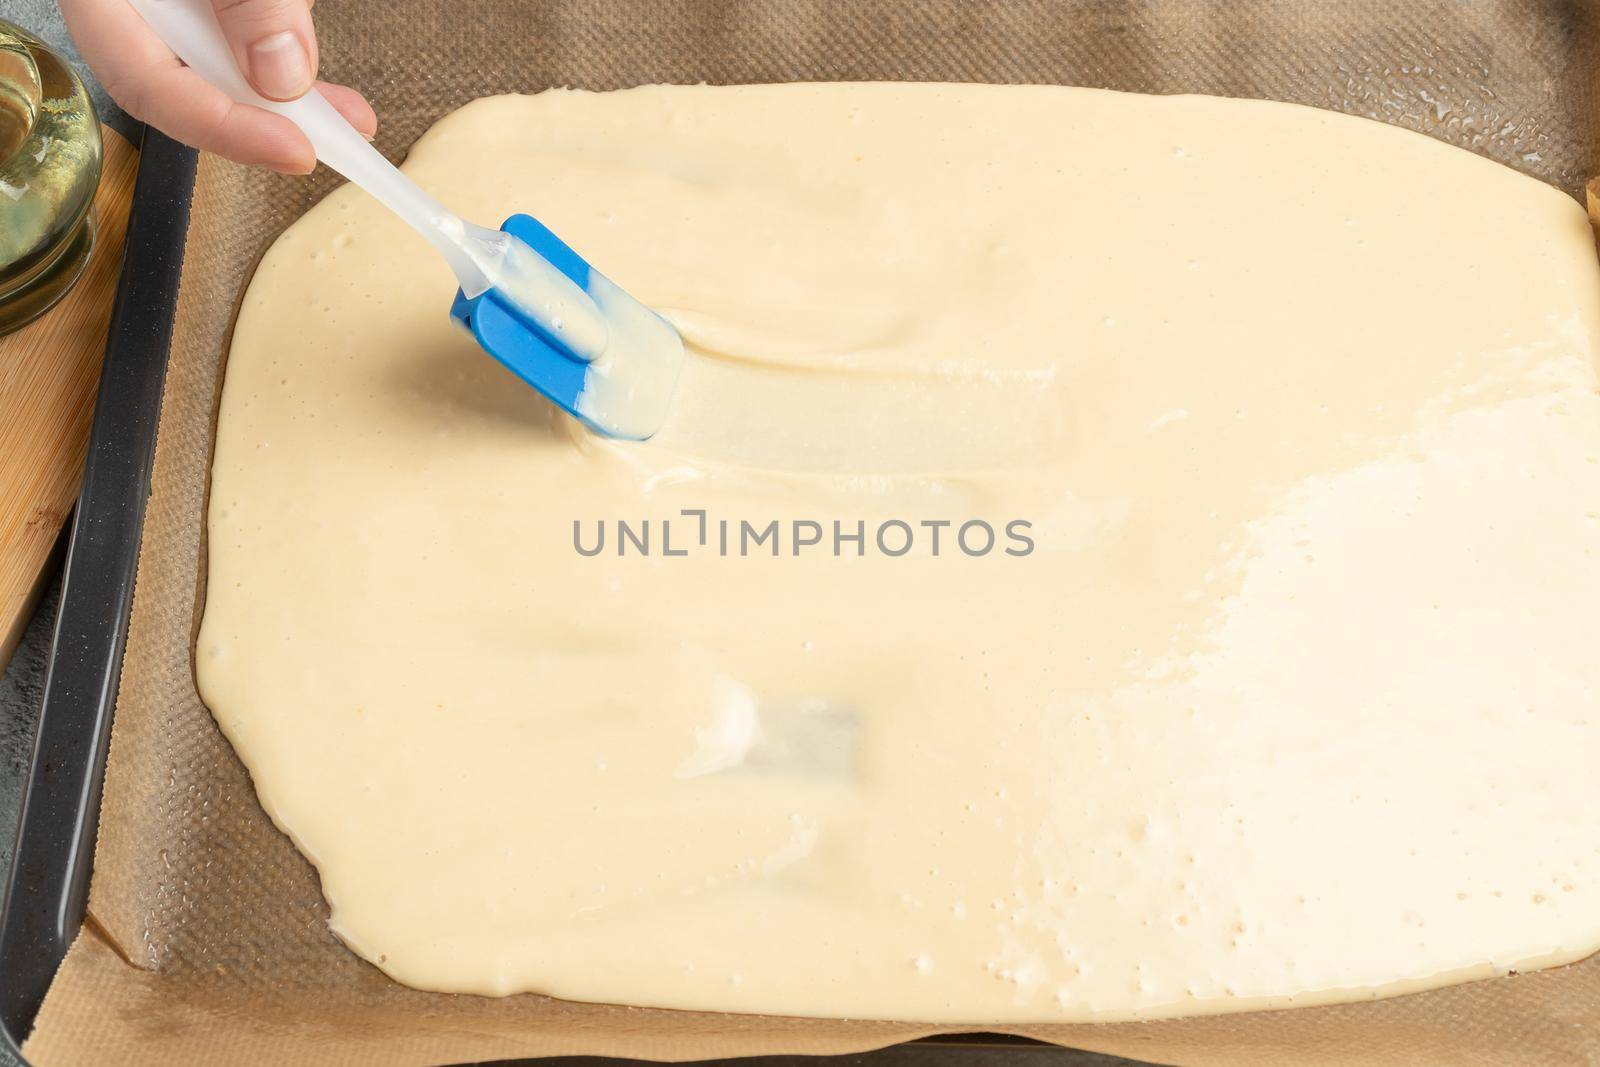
x,y
532,303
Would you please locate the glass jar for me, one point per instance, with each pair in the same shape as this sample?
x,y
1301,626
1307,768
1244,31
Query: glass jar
x,y
49,169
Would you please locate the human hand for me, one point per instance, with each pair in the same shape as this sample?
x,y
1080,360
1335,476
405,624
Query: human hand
x,y
276,48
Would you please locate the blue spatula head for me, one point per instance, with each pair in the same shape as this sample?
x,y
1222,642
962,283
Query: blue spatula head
x,y
623,390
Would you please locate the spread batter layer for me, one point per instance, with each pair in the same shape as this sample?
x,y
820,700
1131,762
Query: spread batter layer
x,y
1272,682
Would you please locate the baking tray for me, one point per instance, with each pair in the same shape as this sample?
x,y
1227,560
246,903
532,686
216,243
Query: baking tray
x,y
47,892
49,883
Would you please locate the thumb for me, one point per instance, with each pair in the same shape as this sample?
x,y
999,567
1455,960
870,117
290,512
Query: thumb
x,y
274,44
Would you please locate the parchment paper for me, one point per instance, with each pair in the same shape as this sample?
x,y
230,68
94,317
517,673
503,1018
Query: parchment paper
x,y
207,941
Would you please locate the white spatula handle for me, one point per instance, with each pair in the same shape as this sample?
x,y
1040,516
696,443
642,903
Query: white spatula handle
x,y
191,30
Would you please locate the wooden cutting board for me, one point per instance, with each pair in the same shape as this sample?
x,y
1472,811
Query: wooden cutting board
x,y
49,370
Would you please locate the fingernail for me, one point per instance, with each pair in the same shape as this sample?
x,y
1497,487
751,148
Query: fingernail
x,y
279,66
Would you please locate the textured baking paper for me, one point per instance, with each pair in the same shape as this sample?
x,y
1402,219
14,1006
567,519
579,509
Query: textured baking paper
x,y
207,941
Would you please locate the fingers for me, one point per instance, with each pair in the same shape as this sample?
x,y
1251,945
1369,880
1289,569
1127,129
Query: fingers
x,y
352,105
143,76
274,44
177,100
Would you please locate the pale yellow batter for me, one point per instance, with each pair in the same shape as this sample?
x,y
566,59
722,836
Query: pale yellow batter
x,y
1293,700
